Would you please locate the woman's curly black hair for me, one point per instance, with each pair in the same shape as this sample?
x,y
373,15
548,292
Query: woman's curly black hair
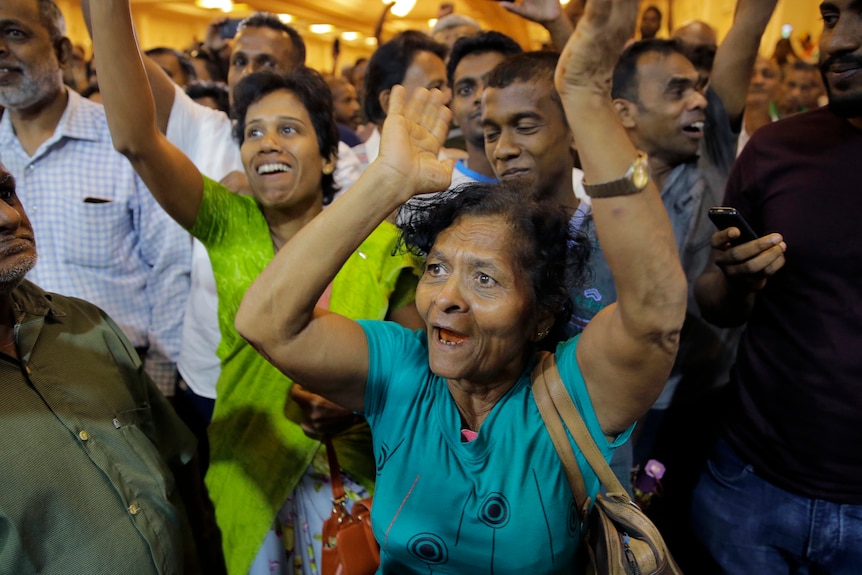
x,y
311,89
552,255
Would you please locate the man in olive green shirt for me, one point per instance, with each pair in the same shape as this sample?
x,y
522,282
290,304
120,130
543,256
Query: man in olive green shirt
x,y
85,436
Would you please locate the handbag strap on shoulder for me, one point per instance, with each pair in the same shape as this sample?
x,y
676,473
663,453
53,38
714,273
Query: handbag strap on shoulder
x,y
558,434
547,383
338,494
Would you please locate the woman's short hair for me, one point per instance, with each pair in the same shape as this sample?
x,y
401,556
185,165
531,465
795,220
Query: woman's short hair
x,y
312,90
548,252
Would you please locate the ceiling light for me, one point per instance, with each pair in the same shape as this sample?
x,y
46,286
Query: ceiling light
x,y
370,41
320,28
223,5
403,7
285,18
432,22
350,36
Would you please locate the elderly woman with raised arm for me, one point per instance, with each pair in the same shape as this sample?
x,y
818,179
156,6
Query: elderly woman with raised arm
x,y
467,476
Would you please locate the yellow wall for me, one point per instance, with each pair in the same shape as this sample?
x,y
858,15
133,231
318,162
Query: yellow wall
x,y
803,15
157,27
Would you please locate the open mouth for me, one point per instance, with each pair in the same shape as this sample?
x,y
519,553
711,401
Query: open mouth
x,y
695,129
448,337
274,168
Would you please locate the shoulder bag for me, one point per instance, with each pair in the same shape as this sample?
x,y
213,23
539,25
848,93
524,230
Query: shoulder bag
x,y
619,539
348,546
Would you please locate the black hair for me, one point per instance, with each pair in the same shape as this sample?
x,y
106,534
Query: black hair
x,y
625,81
653,8
269,20
480,43
215,90
311,89
797,66
389,64
185,63
91,89
527,68
552,256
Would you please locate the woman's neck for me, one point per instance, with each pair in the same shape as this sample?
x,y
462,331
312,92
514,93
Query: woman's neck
x,y
475,401
284,224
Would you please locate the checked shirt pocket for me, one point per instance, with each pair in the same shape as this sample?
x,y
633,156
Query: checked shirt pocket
x,y
100,233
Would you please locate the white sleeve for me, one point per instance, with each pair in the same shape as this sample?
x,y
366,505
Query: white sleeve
x,y
204,135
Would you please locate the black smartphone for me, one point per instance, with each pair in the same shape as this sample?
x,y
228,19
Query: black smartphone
x,y
724,217
228,29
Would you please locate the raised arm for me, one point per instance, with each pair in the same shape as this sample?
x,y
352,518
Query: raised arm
x,y
734,59
129,106
627,350
163,88
549,14
328,353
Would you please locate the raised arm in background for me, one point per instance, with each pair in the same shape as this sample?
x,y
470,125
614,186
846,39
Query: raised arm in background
x,y
627,350
162,87
549,14
734,59
327,352
171,177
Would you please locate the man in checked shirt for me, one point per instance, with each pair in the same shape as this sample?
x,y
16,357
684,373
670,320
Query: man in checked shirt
x,y
102,237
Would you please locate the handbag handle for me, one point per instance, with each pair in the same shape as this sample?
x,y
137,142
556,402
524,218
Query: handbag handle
x,y
554,402
338,494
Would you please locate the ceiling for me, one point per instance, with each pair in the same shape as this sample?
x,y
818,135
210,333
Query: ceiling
x,y
360,15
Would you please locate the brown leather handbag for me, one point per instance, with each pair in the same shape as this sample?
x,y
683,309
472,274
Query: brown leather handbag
x,y
348,547
620,539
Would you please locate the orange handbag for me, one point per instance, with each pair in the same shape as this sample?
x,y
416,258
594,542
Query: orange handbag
x,y
348,547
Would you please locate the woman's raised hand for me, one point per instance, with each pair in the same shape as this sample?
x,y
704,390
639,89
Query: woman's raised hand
x,y
410,142
588,60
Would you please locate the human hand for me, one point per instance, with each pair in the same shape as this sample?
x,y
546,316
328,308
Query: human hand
x,y
213,39
747,266
539,11
237,182
411,138
320,417
588,60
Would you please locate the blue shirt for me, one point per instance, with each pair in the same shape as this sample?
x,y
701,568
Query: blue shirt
x,y
499,504
100,234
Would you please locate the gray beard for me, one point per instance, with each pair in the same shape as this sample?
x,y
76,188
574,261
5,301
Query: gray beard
x,y
11,277
33,87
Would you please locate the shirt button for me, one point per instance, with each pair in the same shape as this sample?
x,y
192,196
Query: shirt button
x,y
134,509
83,435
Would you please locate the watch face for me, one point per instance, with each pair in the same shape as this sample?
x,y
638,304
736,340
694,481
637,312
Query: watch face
x,y
640,175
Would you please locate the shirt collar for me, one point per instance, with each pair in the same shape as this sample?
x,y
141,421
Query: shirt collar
x,y
29,301
78,122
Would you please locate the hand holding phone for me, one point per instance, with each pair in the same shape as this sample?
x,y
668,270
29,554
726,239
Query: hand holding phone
x,y
724,217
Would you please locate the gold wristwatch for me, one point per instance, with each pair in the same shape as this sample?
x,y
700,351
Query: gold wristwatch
x,y
634,181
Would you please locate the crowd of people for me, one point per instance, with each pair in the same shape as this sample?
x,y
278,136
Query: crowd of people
x,y
244,262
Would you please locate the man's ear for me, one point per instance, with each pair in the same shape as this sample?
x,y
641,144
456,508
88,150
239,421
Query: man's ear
x,y
383,99
627,113
63,49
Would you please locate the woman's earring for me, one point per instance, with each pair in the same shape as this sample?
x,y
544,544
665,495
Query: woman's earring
x,y
543,334
327,170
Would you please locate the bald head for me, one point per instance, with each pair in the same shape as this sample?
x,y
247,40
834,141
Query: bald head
x,y
699,42
696,33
